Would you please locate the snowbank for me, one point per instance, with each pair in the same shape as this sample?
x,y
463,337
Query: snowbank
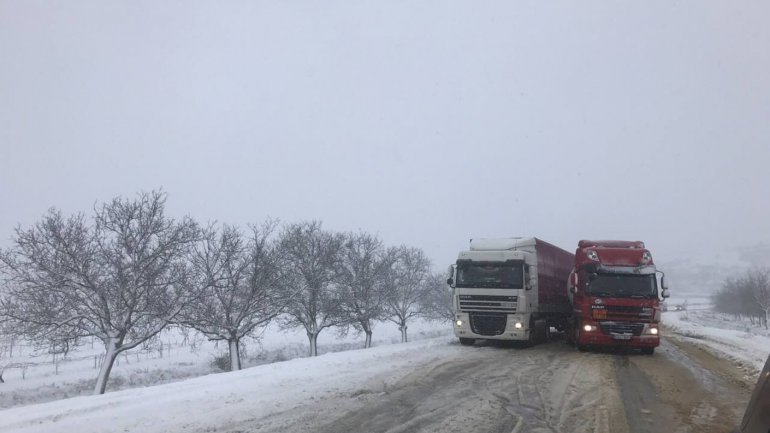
x,y
43,381
732,339
214,400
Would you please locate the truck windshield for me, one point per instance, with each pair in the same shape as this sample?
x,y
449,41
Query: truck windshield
x,y
494,275
624,286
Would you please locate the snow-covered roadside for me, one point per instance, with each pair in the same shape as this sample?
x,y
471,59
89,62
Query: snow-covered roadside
x,y
747,346
41,382
210,401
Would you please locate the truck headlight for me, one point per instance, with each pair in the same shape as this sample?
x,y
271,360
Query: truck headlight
x,y
650,330
589,328
518,325
459,323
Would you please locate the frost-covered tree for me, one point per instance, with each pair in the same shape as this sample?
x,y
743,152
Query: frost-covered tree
x,y
406,287
759,281
310,263
364,266
437,303
239,281
745,295
122,277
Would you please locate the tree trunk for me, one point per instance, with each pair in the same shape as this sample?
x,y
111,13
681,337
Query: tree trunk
x,y
402,328
106,368
367,327
235,354
313,337
767,317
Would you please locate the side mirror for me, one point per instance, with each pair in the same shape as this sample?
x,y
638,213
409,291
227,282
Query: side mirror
x,y
665,293
663,283
573,290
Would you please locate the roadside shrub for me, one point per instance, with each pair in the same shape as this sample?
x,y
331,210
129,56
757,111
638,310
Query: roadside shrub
x,y
221,362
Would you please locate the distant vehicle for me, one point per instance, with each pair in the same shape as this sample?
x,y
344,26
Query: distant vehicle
x,y
614,294
757,416
509,289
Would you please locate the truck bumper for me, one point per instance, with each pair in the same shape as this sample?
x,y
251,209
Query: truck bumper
x,y
597,337
511,327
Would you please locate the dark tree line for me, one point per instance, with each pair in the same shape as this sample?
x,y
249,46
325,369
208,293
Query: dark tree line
x,y
746,295
129,271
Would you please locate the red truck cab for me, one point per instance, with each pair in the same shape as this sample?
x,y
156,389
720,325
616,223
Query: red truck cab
x,y
615,298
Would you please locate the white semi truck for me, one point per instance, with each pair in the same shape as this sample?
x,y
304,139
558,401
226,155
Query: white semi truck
x,y
510,289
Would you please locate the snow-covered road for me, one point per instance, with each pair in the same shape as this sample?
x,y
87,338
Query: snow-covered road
x,y
548,388
427,386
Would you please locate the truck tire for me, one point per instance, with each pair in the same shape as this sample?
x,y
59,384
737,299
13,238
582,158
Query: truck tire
x,y
542,331
648,350
467,341
533,338
580,347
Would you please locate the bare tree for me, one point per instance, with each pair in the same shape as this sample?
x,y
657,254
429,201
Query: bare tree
x,y
309,266
122,279
364,266
746,295
240,285
759,281
437,303
406,289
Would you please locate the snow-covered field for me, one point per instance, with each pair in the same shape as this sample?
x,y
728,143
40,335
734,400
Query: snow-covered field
x,y
740,341
209,401
34,377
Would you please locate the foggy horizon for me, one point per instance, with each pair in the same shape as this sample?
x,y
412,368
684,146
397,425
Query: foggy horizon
x,y
399,120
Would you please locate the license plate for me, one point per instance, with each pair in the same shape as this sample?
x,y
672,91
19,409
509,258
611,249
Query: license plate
x,y
621,336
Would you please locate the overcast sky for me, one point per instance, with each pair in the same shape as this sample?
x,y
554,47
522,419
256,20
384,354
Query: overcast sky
x,y
427,122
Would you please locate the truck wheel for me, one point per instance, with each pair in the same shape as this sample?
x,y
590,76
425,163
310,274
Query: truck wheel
x,y
648,350
532,339
580,347
467,341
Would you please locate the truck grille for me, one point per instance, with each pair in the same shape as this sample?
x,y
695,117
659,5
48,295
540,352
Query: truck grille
x,y
488,323
507,304
628,313
621,328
